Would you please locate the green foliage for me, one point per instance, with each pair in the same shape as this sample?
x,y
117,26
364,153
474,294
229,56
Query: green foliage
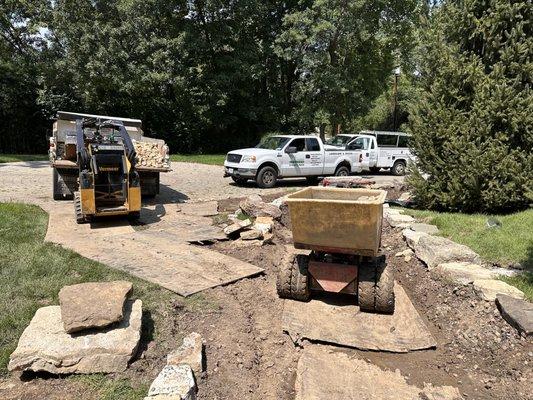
x,y
5,158
509,244
473,122
111,389
32,272
205,75
342,52
211,159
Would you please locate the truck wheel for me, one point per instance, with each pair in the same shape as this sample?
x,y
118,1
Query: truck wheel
x,y
398,168
342,170
376,287
55,185
266,177
292,281
239,181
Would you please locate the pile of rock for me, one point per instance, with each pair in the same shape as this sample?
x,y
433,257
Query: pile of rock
x,y
153,155
462,266
96,328
263,216
177,380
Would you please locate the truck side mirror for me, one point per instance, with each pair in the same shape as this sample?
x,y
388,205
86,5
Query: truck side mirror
x,y
291,150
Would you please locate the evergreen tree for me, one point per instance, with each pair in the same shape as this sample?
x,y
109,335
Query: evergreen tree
x,y
473,123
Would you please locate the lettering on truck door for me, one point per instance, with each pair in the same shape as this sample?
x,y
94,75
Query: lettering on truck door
x,y
361,145
293,164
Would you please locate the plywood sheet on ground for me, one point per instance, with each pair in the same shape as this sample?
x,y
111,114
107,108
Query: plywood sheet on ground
x,y
159,256
346,325
325,374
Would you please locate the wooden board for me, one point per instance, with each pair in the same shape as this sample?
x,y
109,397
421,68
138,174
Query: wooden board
x,y
345,325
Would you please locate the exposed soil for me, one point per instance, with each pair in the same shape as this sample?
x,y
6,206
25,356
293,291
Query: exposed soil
x,y
249,357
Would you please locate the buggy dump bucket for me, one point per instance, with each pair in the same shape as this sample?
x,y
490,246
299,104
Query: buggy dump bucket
x,y
337,220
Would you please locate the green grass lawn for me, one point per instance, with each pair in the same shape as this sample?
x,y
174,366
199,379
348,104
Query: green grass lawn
x,y
32,272
4,158
512,242
211,159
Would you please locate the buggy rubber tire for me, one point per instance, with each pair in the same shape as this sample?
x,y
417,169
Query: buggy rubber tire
x,y
342,170
366,287
384,288
283,281
292,279
376,287
399,168
299,279
266,177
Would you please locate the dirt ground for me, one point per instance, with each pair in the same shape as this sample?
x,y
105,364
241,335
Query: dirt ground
x,y
249,357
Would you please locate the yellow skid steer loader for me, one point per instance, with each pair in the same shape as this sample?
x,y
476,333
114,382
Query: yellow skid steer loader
x,y
108,181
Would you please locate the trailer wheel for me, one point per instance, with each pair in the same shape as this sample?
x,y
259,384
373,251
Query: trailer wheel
x,y
266,177
376,287
398,168
292,280
55,185
80,218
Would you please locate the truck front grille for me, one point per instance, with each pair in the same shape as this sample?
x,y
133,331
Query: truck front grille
x,y
234,158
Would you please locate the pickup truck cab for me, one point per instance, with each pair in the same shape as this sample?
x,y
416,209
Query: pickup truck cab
x,y
378,149
287,156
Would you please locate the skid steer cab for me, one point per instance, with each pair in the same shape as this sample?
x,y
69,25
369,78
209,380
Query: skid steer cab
x,y
108,182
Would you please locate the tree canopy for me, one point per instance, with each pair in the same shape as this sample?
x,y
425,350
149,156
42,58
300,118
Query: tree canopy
x,y
472,124
206,75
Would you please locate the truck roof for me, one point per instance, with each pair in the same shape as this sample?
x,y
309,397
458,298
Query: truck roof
x,y
72,116
374,133
296,136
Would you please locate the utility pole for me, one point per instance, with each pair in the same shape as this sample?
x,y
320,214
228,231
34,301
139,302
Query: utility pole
x,y
395,99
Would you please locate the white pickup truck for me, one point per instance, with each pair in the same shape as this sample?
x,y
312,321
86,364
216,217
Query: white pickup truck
x,y
378,149
287,156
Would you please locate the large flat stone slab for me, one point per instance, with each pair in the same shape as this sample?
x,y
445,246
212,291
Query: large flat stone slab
x,y
425,228
464,272
45,346
324,374
93,304
488,289
346,325
411,237
435,250
518,313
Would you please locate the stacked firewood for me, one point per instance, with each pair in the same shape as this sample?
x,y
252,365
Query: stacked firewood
x,y
153,155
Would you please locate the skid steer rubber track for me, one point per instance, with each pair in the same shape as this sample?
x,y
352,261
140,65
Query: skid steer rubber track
x,y
292,281
376,287
80,218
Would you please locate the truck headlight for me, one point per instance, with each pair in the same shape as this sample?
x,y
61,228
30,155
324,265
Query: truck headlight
x,y
250,159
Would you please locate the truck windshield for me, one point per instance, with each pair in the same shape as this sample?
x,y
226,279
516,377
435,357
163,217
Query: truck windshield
x,y
339,140
272,143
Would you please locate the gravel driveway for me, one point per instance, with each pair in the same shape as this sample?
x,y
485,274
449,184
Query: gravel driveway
x,y
31,182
